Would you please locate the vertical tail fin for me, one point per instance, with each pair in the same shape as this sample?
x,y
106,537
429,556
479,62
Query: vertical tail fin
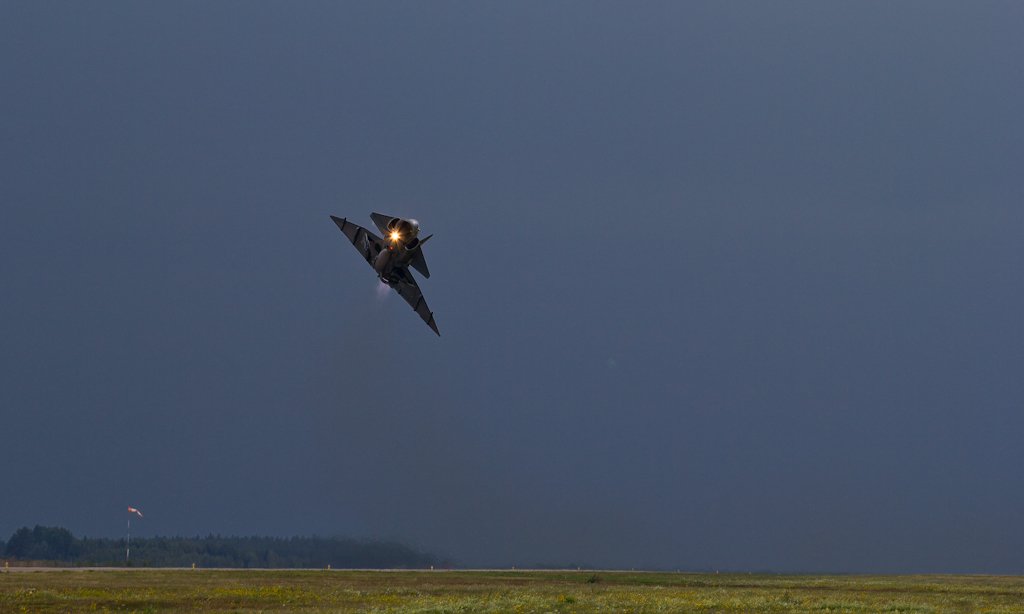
x,y
418,261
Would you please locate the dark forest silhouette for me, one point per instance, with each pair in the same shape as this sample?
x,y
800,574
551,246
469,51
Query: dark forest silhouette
x,y
57,544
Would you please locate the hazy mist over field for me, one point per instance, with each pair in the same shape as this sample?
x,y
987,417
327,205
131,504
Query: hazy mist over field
x,y
720,285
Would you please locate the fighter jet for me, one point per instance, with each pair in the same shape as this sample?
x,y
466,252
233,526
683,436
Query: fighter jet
x,y
392,257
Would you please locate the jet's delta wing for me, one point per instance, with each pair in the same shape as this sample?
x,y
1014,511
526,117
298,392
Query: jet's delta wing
x,y
410,291
368,244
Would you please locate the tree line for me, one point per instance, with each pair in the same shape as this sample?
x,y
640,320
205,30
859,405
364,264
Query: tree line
x,y
57,544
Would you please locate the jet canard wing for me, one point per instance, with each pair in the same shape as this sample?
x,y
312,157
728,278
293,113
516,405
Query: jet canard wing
x,y
365,242
381,221
410,291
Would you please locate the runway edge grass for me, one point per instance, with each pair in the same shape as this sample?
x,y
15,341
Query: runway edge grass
x,y
154,590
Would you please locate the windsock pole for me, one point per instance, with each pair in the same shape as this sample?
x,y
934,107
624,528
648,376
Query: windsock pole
x,y
128,535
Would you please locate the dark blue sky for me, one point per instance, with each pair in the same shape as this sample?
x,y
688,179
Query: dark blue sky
x,y
730,285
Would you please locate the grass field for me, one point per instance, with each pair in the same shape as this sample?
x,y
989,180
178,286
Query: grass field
x,y
489,591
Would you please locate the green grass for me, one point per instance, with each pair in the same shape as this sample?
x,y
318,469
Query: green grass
x,y
153,590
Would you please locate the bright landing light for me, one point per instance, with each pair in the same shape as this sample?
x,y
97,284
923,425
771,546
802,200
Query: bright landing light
x,y
395,236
